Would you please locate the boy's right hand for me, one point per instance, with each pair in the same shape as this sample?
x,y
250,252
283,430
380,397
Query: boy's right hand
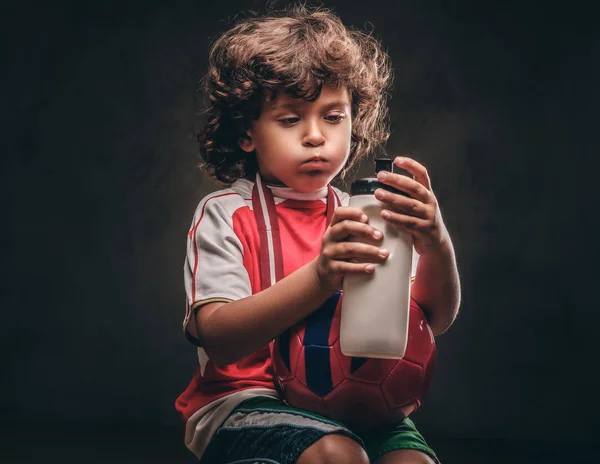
x,y
340,255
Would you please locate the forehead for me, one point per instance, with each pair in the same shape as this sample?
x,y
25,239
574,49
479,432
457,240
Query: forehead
x,y
328,96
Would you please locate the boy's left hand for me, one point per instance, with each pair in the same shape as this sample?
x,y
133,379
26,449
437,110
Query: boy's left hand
x,y
419,213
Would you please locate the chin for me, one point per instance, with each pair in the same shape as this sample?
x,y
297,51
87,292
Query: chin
x,y
312,183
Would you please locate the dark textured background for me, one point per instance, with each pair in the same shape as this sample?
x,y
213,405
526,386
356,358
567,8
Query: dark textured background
x,y
99,183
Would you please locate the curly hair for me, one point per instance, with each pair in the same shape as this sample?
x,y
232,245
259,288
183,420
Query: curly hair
x,y
297,50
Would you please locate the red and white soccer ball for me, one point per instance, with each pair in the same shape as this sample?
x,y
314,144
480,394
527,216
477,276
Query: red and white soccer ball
x,y
311,372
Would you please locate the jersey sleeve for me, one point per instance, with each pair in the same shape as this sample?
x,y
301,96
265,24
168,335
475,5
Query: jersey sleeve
x,y
213,269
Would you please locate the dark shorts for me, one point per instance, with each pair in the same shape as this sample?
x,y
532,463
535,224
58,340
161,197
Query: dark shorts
x,y
268,428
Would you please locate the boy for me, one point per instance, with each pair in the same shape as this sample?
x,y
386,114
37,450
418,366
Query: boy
x,y
294,100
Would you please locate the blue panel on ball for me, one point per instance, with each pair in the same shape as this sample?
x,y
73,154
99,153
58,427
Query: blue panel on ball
x,y
318,324
316,349
318,369
356,363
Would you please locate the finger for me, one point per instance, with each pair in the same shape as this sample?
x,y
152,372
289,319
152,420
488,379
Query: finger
x,y
343,213
357,252
403,204
347,228
405,184
406,221
345,268
416,169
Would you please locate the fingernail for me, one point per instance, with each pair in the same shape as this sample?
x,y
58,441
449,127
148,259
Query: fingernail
x,y
379,193
383,252
364,218
385,214
382,174
400,160
369,268
377,234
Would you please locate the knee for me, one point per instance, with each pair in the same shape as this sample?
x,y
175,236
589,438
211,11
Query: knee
x,y
407,456
334,449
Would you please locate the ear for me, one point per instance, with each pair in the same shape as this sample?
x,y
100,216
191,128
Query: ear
x,y
245,142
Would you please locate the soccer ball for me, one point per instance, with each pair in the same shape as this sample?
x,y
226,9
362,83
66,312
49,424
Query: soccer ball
x,y
311,372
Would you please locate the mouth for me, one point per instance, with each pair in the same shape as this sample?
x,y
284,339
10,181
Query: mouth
x,y
315,161
314,166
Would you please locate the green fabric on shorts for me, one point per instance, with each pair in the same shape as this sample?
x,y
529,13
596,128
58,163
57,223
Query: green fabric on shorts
x,y
398,436
377,442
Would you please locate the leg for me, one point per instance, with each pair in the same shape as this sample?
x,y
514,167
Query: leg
x,y
405,456
399,443
266,428
334,449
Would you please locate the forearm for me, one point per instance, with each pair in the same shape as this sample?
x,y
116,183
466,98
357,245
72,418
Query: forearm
x,y
437,287
237,329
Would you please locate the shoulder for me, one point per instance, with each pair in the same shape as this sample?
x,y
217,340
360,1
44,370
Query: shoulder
x,y
218,206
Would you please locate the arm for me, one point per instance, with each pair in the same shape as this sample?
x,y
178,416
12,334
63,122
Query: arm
x,y
231,331
436,287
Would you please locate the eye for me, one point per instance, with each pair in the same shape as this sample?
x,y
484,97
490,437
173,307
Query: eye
x,y
289,121
335,117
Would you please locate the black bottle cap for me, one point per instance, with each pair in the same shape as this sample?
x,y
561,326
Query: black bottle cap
x,y
383,164
368,185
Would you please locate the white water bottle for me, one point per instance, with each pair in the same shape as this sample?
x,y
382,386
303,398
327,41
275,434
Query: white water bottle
x,y
376,307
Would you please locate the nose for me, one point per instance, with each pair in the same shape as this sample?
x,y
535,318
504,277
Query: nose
x,y
313,137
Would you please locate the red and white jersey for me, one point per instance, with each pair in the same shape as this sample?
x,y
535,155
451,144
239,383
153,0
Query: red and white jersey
x,y
223,264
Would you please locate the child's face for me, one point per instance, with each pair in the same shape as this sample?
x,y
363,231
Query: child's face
x,y
302,144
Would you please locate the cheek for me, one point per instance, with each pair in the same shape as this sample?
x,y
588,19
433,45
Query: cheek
x,y
349,135
271,138
345,136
